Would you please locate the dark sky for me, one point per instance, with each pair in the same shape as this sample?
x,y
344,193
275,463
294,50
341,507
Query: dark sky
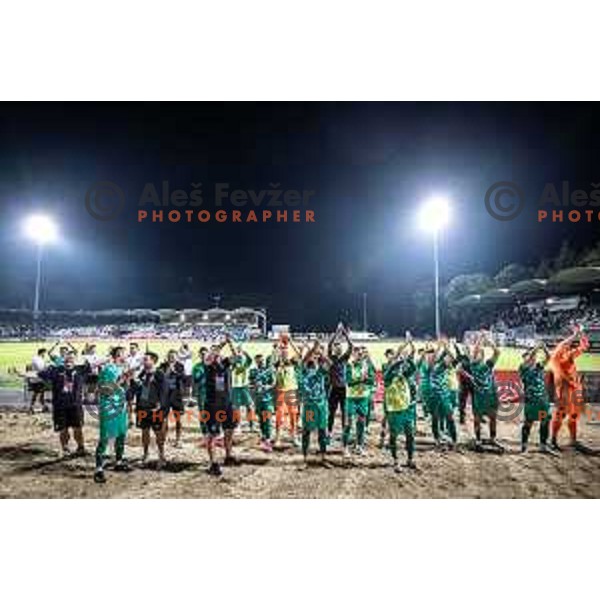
x,y
370,165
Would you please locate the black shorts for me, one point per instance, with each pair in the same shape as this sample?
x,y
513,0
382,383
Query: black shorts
x,y
176,408
187,381
91,379
149,418
37,387
218,414
67,416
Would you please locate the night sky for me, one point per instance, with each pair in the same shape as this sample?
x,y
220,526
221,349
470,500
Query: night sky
x,y
370,165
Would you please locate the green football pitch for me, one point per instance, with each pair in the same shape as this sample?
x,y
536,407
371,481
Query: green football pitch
x,y
18,354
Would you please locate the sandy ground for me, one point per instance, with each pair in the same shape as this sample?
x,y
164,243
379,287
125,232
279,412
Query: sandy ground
x,y
32,467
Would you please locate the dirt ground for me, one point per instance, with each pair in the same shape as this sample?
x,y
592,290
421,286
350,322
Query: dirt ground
x,y
31,467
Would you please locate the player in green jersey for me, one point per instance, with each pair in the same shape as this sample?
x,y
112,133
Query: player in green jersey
x,y
411,351
262,382
485,396
537,400
360,378
287,363
58,360
199,386
372,389
443,397
112,412
240,390
399,405
313,375
425,366
406,351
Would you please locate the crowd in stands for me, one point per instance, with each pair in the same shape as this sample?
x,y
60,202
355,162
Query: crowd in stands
x,y
523,320
208,333
544,321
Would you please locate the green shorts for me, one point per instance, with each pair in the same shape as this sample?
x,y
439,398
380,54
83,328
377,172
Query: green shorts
x,y
358,407
114,421
240,397
266,404
485,404
201,400
401,421
452,399
314,415
444,403
428,398
537,410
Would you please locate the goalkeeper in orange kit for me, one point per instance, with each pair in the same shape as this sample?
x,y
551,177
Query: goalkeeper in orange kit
x,y
567,385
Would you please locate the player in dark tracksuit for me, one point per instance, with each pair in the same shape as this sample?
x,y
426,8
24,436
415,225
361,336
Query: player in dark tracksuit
x,y
465,386
174,373
67,382
219,407
150,390
337,376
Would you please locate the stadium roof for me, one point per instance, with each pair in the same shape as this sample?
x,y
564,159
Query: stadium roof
x,y
575,279
529,288
470,300
567,281
499,296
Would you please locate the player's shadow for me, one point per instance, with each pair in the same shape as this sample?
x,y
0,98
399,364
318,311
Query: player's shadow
x,y
172,466
256,461
25,451
486,447
366,464
587,451
67,466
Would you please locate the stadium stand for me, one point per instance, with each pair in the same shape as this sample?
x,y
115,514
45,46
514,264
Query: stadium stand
x,y
240,323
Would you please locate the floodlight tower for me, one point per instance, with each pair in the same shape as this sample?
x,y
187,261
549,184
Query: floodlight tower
x,y
41,230
434,217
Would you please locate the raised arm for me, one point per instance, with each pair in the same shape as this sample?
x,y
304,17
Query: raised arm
x,y
401,348
566,343
230,346
295,348
331,342
583,345
311,352
370,372
543,349
51,351
349,347
442,349
495,351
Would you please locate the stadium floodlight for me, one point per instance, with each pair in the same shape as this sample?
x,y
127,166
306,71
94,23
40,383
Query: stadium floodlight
x,y
435,216
42,230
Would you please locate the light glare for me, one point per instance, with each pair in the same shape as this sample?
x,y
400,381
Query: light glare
x,y
435,214
40,229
